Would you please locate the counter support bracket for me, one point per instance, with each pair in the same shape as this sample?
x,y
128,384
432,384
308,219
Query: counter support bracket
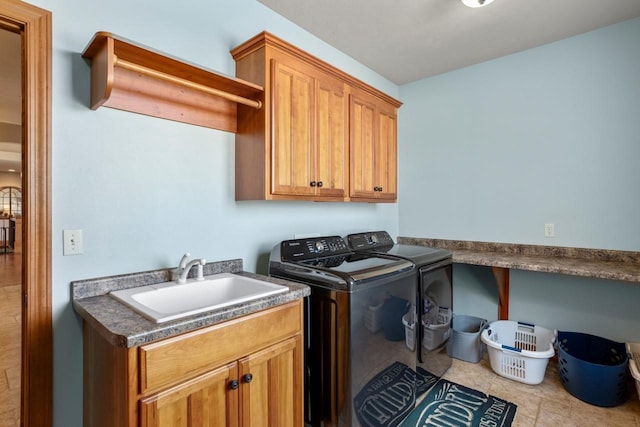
x,y
502,280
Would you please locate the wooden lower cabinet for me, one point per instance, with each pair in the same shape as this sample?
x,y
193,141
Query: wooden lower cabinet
x,y
245,372
204,401
269,386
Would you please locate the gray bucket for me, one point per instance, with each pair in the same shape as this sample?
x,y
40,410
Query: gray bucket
x,y
465,341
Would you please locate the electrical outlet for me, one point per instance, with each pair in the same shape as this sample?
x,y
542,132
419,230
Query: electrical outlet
x,y
72,242
549,230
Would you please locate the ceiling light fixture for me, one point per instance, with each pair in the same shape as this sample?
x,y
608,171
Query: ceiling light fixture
x,y
476,3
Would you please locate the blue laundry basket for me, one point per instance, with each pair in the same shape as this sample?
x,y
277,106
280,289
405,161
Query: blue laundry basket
x,y
593,369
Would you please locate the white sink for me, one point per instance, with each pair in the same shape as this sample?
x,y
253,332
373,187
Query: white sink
x,y
169,301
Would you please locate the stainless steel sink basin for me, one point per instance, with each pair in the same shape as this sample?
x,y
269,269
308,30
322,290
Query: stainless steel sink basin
x,y
169,301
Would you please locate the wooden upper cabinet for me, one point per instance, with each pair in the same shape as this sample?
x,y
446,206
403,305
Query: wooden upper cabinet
x,y
373,140
362,125
309,133
298,146
305,139
374,147
293,140
332,144
386,159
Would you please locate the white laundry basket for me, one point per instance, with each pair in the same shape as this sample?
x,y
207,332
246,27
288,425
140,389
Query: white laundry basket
x,y
372,316
519,351
409,322
633,350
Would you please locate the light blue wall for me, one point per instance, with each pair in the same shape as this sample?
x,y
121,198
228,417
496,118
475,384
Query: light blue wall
x,y
493,151
546,135
145,190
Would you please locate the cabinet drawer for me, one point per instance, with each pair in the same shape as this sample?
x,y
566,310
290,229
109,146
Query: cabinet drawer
x,y
179,358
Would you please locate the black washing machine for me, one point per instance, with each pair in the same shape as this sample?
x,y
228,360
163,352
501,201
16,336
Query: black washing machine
x,y
359,371
434,280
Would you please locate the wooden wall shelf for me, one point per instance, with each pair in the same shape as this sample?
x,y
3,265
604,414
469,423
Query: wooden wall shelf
x,y
131,77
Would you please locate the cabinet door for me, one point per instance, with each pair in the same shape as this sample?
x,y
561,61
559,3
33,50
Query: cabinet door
x,y
386,157
331,137
362,123
273,394
206,401
373,126
292,150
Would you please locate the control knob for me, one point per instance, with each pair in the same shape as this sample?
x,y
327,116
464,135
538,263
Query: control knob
x,y
319,247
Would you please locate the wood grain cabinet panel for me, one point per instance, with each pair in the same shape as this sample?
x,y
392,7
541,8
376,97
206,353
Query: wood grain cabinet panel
x,y
169,361
206,401
373,138
298,146
293,141
362,127
305,136
269,393
332,143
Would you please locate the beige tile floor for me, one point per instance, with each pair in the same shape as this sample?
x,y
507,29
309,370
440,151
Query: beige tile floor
x,y
10,326
545,404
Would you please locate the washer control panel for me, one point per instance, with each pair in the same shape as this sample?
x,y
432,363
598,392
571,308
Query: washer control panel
x,y
369,240
304,249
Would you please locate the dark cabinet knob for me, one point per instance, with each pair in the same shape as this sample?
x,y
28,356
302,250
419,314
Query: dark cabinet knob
x,y
247,378
312,183
379,188
233,385
319,183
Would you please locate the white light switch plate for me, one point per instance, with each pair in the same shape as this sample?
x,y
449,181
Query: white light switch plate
x,y
72,242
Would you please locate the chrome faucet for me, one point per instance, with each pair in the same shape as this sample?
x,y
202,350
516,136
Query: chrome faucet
x,y
184,267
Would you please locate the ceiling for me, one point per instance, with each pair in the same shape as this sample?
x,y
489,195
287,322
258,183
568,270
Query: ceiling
x,y
408,40
10,102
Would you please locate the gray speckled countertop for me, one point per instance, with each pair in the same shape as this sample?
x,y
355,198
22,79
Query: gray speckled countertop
x,y
123,327
598,263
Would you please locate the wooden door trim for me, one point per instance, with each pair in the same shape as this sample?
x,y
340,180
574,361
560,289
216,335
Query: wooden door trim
x,y
34,25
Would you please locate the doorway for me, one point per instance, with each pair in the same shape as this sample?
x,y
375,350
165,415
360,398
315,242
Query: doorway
x,y
30,266
10,213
